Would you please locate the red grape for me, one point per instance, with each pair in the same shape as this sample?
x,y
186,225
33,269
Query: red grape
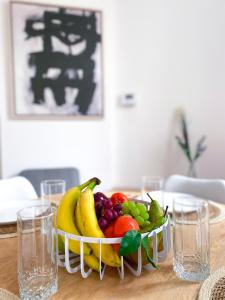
x,y
108,204
120,213
100,197
117,207
103,223
108,214
115,214
98,206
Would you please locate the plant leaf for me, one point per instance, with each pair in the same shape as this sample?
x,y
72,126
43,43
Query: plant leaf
x,y
200,148
185,130
144,243
130,243
183,147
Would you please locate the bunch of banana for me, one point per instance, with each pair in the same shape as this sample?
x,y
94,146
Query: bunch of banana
x,y
87,223
66,221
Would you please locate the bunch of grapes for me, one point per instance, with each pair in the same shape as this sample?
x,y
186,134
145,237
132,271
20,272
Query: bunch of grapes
x,y
106,212
138,211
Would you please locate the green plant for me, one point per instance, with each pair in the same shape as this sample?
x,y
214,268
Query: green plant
x,y
184,143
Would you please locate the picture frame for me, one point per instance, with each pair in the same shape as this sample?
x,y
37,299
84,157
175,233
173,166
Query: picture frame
x,y
57,62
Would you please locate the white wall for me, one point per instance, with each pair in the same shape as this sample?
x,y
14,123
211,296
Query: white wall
x,y
170,53
83,144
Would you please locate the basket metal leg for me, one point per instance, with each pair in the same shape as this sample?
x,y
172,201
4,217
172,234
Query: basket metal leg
x,y
155,252
72,256
155,248
83,273
67,258
121,270
136,272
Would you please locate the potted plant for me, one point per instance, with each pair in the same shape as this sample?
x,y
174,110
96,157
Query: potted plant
x,y
184,142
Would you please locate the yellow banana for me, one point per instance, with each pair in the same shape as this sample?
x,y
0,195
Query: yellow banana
x,y
65,216
91,228
78,218
91,260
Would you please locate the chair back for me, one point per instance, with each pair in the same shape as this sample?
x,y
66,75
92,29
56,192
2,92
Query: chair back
x,y
35,176
211,189
16,188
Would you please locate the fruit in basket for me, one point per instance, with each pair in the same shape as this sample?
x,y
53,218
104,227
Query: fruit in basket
x,y
157,216
90,227
91,260
65,216
155,211
108,232
138,211
122,225
118,198
105,210
134,256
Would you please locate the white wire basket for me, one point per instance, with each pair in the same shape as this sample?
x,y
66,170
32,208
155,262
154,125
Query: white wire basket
x,y
75,263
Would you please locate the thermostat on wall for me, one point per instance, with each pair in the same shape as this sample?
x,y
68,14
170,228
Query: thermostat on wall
x,y
128,100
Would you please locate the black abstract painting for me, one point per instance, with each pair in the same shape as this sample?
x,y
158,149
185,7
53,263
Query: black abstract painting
x,y
57,60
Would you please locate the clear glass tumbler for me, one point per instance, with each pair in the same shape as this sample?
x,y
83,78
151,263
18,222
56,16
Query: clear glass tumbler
x,y
191,239
153,186
37,252
53,190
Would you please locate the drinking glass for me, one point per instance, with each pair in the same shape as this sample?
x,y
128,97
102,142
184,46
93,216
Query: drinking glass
x,y
191,241
53,190
154,187
37,252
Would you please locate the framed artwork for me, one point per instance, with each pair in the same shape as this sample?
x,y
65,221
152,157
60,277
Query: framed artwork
x,y
57,61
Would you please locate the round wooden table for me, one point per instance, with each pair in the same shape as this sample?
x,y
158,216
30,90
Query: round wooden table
x,y
161,284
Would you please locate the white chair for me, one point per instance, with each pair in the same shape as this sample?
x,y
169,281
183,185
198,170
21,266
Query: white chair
x,y
211,189
16,188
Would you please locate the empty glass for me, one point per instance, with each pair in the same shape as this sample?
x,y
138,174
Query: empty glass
x,y
37,252
53,190
191,244
153,186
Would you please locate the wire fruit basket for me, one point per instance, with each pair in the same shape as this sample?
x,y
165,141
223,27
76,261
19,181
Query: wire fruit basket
x,y
75,263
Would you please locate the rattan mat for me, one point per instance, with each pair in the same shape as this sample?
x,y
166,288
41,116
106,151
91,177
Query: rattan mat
x,y
213,288
6,295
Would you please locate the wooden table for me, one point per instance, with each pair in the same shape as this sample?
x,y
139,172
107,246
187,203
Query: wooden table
x,y
161,284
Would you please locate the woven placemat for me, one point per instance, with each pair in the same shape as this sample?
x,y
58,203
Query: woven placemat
x,y
213,288
6,295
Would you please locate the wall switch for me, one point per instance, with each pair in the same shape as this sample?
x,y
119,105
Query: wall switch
x,y
128,99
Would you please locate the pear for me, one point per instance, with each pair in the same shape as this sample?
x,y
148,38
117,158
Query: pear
x,y
157,215
155,211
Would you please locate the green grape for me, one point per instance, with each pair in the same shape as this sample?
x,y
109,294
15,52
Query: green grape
x,y
147,223
145,216
140,220
131,204
141,207
126,209
125,204
134,211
